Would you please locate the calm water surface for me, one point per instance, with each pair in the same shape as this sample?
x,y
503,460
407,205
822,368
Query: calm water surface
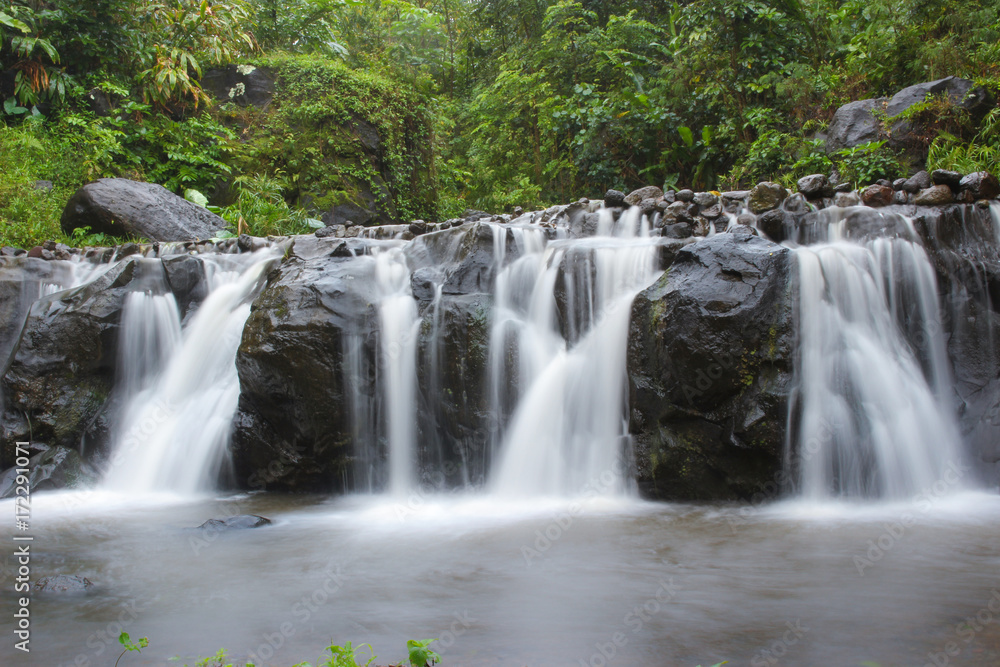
x,y
539,583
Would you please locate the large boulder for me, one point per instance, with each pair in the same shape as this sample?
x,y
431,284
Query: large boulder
x,y
123,208
864,121
961,92
854,124
303,361
710,365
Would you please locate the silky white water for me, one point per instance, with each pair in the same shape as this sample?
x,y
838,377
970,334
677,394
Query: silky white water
x,y
562,310
173,433
398,342
875,417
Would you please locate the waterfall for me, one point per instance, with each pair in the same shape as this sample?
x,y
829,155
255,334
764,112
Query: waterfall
x,y
873,402
561,316
175,427
398,342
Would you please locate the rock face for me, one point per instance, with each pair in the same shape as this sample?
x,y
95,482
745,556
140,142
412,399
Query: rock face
x,y
123,208
62,371
309,412
710,362
244,85
293,430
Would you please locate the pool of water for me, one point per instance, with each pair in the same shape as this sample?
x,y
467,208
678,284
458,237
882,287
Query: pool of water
x,y
600,582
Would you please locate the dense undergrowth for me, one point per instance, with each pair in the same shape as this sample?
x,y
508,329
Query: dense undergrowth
x,y
477,103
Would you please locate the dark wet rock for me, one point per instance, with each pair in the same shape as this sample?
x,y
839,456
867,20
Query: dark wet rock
x,y
952,179
614,199
814,186
980,185
670,196
62,583
185,275
465,254
901,197
237,522
418,227
765,196
62,370
746,219
712,212
648,192
706,199
772,223
685,195
919,181
338,231
453,418
878,195
935,196
8,251
123,208
677,230
854,123
842,187
898,184
293,427
53,468
244,85
709,407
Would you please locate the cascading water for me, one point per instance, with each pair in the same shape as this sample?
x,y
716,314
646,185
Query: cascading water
x,y
565,436
874,413
398,343
174,430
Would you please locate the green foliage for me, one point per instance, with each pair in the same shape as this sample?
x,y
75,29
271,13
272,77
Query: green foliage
x,y
335,133
126,641
867,163
177,36
261,209
419,653
981,153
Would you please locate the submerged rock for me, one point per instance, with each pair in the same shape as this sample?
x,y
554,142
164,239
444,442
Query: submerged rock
x,y
62,583
237,522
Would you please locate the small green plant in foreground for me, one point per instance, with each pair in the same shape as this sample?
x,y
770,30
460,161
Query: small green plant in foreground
x,y
419,653
126,641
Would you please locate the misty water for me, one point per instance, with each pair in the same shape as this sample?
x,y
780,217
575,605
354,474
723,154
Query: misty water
x,y
532,583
